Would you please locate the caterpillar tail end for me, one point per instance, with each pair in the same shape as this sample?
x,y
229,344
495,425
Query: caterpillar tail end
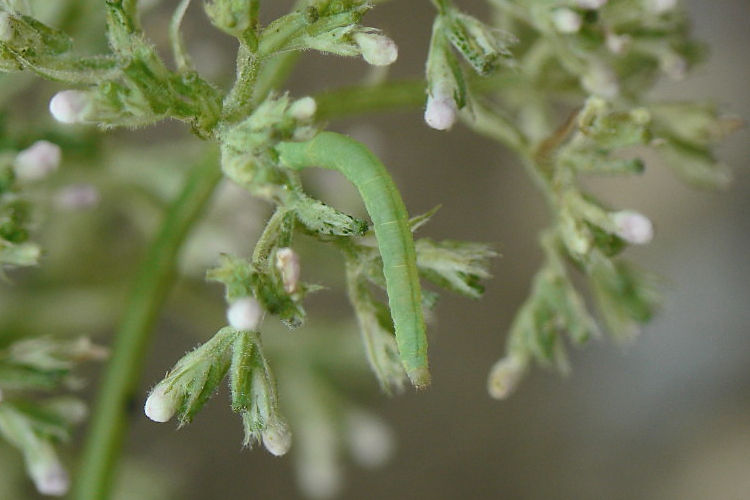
x,y
420,377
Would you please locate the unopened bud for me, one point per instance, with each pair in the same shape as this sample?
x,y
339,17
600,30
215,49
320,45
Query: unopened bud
x,y
633,227
6,28
674,66
378,50
37,161
73,410
161,404
303,109
77,197
601,81
617,44
245,314
661,6
69,106
287,262
441,109
505,376
566,21
277,438
48,474
590,4
320,477
371,441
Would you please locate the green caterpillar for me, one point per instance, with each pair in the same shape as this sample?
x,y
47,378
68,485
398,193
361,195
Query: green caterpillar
x,y
388,213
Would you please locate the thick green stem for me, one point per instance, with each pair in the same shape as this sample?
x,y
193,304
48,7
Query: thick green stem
x,y
349,101
147,296
394,96
238,103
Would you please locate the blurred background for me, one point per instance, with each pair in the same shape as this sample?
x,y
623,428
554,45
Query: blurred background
x,y
667,417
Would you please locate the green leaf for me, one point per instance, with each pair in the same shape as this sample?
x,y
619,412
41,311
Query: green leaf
x,y
458,266
195,377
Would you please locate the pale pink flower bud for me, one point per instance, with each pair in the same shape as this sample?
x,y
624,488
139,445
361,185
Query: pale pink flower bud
x,y
69,106
77,197
245,314
377,49
37,161
287,262
441,109
633,227
48,474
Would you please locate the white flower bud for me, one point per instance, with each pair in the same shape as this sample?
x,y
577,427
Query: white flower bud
x,y
505,376
601,81
674,66
441,109
245,314
69,106
72,410
633,227
287,262
590,4
371,441
378,50
77,197
6,28
277,438
37,161
320,478
161,404
617,44
48,474
303,109
566,20
660,6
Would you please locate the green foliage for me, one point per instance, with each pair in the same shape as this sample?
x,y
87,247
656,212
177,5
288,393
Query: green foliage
x,y
33,424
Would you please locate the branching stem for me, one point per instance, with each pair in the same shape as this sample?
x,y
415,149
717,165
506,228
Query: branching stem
x,y
147,296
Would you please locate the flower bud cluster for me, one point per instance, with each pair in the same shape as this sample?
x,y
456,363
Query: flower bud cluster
x,y
42,364
602,42
252,289
192,380
481,47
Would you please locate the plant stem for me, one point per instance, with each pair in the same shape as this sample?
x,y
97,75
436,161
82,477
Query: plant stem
x,y
393,96
147,296
348,101
238,103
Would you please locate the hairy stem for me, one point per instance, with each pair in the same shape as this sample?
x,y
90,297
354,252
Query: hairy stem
x,y
148,293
